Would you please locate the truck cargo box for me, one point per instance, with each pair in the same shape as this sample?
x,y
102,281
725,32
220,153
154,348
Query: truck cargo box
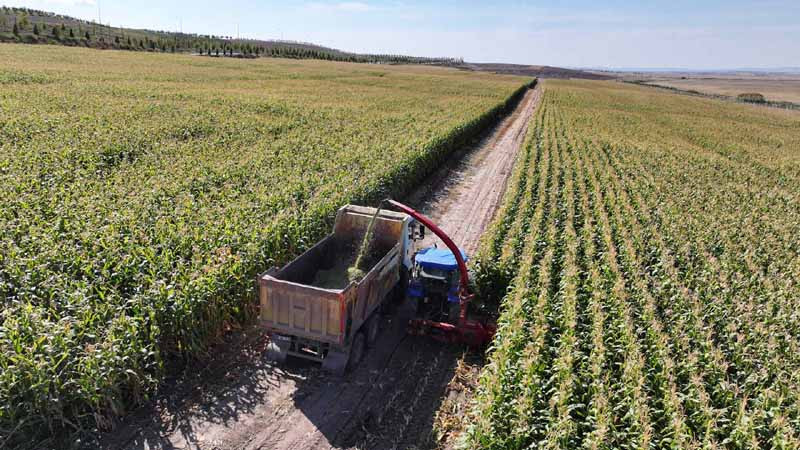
x,y
311,321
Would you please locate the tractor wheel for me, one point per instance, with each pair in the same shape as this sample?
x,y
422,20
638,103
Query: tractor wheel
x,y
357,351
372,329
453,310
411,306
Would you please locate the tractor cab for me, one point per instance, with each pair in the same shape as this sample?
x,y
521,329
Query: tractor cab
x,y
433,288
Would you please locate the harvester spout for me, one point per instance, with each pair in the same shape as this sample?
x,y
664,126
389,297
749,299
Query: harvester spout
x,y
467,331
462,265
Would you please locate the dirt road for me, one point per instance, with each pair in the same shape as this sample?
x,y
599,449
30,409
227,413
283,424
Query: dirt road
x,y
240,401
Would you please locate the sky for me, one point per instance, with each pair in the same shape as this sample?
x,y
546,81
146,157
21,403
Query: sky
x,y
700,35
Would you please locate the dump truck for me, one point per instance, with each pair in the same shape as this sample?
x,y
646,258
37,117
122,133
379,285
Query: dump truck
x,y
329,323
313,310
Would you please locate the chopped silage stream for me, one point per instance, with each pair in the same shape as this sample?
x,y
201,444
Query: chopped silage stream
x,y
354,267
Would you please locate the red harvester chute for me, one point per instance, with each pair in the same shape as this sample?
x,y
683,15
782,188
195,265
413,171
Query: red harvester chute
x,y
470,332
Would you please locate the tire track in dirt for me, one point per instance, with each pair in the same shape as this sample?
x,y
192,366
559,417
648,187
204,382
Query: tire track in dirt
x,y
390,400
463,200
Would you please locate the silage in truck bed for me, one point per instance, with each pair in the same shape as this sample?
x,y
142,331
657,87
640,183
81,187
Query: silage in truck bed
x,y
337,275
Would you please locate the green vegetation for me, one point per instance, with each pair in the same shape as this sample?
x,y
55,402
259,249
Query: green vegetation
x,y
650,244
15,26
143,193
751,97
356,271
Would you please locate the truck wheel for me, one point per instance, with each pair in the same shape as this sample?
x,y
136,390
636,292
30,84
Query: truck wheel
x,y
356,351
276,352
399,291
335,362
372,328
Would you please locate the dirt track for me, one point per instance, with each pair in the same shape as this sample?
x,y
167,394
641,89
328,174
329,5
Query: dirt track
x,y
240,401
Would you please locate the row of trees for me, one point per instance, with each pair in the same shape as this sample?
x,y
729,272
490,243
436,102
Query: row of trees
x,y
56,31
63,33
36,26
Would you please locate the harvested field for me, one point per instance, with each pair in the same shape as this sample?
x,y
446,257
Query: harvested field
x,y
535,71
775,88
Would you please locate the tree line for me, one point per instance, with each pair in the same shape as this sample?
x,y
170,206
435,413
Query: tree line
x,y
34,26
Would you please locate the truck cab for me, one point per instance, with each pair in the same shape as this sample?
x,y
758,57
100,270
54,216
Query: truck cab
x,y
433,288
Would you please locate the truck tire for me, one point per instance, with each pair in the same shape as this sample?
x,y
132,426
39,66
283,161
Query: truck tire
x,y
335,362
399,291
396,295
372,328
357,351
277,352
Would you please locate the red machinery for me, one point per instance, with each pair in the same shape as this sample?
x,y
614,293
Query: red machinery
x,y
468,331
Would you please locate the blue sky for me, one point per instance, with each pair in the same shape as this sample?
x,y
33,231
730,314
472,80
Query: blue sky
x,y
677,33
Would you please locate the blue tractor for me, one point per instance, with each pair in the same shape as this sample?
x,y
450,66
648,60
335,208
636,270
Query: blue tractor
x,y
439,290
434,285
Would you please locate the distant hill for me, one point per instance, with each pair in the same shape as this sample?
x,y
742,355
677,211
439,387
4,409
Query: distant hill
x,y
534,71
41,27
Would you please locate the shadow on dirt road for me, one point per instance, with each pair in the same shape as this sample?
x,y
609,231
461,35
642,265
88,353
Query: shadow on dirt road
x,y
243,401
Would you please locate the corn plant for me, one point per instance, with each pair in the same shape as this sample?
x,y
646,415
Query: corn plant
x,y
142,194
652,298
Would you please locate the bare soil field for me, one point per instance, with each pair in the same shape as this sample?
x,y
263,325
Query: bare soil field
x,y
775,88
535,71
238,400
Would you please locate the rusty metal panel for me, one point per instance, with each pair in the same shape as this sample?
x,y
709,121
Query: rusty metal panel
x,y
300,310
354,220
290,305
266,305
375,286
334,318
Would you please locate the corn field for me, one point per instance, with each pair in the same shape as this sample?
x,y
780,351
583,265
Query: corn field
x,y
141,194
649,244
